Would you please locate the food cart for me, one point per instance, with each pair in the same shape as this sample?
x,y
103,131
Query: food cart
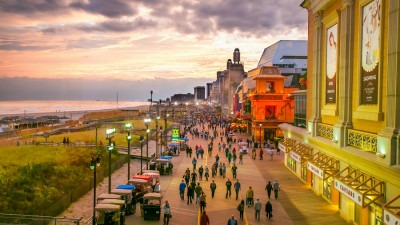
x,y
109,214
156,180
153,178
142,187
127,196
151,207
173,148
163,166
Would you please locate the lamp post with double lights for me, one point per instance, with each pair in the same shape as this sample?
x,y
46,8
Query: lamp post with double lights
x,y
141,153
165,127
157,118
147,122
161,151
128,128
260,134
110,147
93,164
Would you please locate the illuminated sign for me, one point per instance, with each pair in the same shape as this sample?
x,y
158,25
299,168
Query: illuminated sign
x,y
295,156
315,170
175,134
282,147
348,192
390,219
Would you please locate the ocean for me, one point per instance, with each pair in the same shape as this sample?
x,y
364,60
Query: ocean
x,y
29,107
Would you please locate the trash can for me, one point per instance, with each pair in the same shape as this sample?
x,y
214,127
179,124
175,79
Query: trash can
x,y
153,166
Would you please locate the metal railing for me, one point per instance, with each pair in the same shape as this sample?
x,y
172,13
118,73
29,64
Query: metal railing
x,y
325,131
38,220
362,140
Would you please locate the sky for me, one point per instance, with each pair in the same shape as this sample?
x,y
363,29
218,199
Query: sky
x,y
90,49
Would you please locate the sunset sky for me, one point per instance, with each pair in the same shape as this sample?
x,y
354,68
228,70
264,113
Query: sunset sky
x,y
175,44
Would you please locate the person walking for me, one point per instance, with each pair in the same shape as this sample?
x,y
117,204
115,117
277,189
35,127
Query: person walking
x,y
232,221
194,176
204,220
217,158
240,208
276,188
194,162
228,188
261,154
201,170
198,190
269,189
271,153
237,188
257,209
241,158
220,169
234,157
206,173
254,153
268,209
249,196
234,168
213,186
182,188
223,170
190,193
202,202
229,155
167,212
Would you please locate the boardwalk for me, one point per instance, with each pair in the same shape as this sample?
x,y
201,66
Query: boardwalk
x,y
297,204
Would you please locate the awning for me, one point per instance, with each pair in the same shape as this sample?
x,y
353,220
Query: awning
x,y
301,153
362,188
323,165
286,143
391,211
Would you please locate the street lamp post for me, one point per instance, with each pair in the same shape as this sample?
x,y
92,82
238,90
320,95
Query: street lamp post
x,y
165,127
157,118
147,123
128,128
141,154
161,151
260,134
93,164
110,135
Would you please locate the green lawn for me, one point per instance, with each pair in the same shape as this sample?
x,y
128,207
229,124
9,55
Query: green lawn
x,y
33,177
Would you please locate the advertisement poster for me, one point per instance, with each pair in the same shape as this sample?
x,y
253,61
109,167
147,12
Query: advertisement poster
x,y
331,65
175,134
370,52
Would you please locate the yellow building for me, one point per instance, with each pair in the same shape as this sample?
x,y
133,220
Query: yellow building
x,y
349,153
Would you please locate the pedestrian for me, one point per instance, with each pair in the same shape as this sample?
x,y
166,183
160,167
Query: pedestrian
x,y
213,186
198,190
190,192
237,188
194,162
261,154
276,188
64,141
249,196
206,173
203,202
268,209
241,158
197,153
254,153
240,208
234,157
220,169
278,151
217,158
234,168
232,221
223,170
257,209
182,188
201,169
204,220
194,176
269,189
271,153
229,155
228,188
167,212
68,141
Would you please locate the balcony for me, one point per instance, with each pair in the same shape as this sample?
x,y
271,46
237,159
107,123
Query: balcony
x,y
362,140
325,131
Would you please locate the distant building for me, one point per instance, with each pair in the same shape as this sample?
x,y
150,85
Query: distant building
x,y
199,93
291,58
182,97
209,89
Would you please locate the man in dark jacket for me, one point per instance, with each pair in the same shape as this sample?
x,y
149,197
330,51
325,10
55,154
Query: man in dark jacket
x,y
268,209
182,188
269,189
213,186
228,188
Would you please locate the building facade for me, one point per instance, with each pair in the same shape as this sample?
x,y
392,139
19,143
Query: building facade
x,y
199,93
349,152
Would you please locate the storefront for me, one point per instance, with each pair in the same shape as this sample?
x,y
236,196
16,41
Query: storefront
x,y
322,168
360,196
297,160
286,143
391,212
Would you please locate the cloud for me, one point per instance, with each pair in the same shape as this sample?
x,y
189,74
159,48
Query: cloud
x,y
117,25
32,6
108,8
13,45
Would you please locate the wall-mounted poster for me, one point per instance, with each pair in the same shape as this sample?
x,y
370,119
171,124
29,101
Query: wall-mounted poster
x,y
371,24
331,65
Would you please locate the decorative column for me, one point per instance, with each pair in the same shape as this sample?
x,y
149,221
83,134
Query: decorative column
x,y
388,138
345,76
317,74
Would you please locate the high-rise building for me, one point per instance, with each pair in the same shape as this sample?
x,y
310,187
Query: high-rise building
x,y
199,93
209,89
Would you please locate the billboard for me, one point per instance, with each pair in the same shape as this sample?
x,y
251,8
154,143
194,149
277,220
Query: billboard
x,y
331,64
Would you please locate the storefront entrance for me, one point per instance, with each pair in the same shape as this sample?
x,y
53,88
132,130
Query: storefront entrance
x,y
269,133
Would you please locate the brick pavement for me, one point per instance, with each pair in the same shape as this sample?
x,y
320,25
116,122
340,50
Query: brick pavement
x,y
297,204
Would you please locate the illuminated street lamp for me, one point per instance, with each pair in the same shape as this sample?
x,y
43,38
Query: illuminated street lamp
x,y
157,118
110,147
260,134
141,154
161,151
147,123
166,115
128,128
93,164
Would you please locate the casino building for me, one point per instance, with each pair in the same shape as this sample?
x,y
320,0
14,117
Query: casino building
x,y
349,154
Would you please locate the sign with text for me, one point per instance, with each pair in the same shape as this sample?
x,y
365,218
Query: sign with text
x,y
348,192
282,147
175,134
390,219
331,59
315,170
295,156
